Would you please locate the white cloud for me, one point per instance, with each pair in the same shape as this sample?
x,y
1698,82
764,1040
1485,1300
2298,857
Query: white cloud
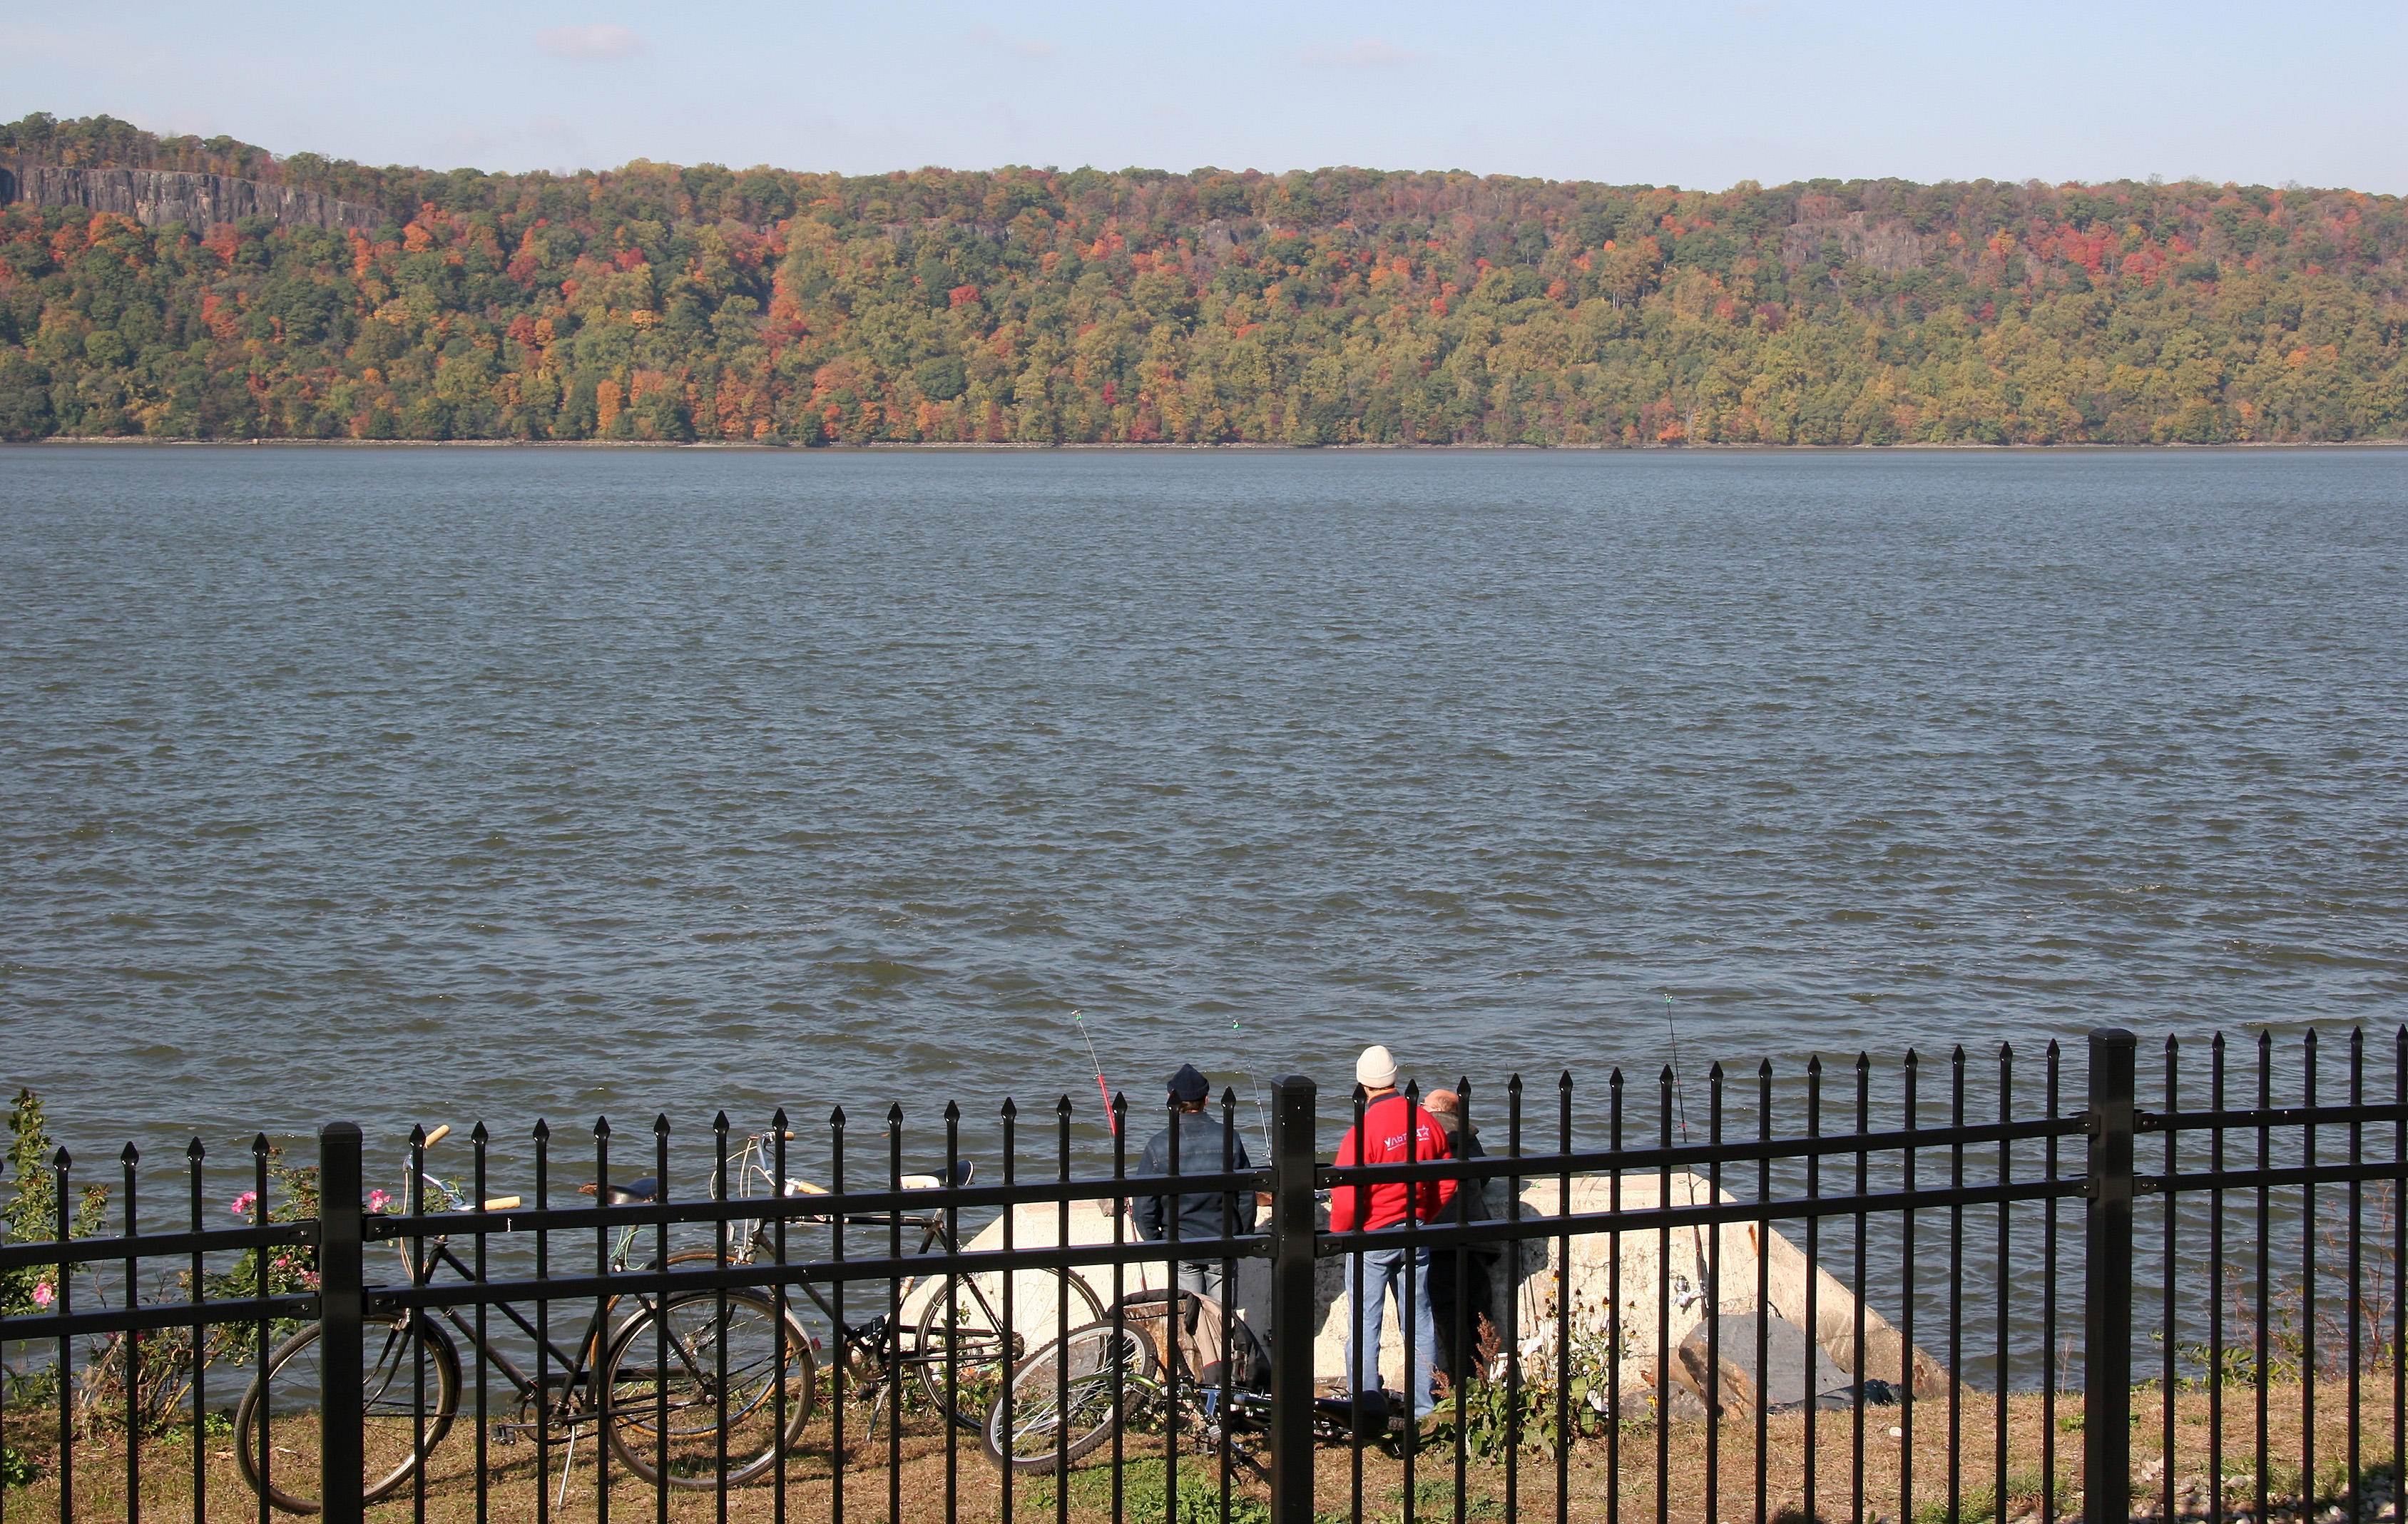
x,y
603,42
1362,53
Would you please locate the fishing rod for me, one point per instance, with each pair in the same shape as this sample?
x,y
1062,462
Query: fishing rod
x,y
1105,1090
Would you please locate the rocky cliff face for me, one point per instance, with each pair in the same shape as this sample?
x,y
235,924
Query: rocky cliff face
x,y
154,196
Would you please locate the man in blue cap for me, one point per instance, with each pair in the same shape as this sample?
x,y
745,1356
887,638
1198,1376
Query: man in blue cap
x,y
1193,1144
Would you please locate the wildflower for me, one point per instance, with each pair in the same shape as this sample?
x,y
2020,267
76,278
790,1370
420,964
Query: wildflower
x,y
378,1201
43,1295
240,1206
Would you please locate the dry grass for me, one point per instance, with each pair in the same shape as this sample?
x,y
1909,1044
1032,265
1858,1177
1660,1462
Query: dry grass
x,y
1616,1479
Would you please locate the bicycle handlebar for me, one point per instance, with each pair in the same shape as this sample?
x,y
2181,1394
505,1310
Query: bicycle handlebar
x,y
436,1136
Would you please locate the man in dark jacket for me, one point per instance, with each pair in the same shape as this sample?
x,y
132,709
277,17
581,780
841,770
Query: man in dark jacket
x,y
1198,1145
1458,1278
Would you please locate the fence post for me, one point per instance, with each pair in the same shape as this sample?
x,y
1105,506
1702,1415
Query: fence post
x,y
2107,1284
1292,1258
341,1309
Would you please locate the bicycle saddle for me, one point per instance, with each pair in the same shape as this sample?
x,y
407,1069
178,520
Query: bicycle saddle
x,y
942,1177
636,1191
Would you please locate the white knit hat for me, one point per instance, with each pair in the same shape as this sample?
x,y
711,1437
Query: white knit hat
x,y
1376,1070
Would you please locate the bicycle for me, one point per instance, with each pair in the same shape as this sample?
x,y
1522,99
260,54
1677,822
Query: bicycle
x,y
665,1418
699,1388
958,1348
1158,1364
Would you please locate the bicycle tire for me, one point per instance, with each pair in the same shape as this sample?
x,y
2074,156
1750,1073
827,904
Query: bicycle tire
x,y
395,1440
688,1450
1105,1368
971,1344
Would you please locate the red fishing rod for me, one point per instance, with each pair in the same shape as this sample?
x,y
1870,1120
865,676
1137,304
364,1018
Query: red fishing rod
x,y
1101,1089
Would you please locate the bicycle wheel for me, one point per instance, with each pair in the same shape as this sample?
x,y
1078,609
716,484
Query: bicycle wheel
x,y
720,1388
961,1332
1069,1397
410,1371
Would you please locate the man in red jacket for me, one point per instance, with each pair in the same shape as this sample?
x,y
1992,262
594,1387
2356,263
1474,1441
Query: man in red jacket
x,y
1394,1131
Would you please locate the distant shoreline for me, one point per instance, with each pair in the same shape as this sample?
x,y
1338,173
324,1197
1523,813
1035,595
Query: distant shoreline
x,y
906,446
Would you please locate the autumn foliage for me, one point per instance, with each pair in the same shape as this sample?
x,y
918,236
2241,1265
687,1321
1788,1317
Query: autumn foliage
x,y
665,303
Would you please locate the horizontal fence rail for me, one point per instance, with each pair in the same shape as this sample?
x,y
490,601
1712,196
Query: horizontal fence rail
x,y
1929,1292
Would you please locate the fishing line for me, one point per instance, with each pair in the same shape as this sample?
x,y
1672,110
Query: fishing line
x,y
1101,1089
1681,1106
1680,1085
1262,1114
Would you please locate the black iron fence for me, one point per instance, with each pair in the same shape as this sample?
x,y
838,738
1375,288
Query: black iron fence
x,y
1921,1293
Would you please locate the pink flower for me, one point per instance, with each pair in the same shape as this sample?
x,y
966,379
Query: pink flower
x,y
378,1201
241,1205
43,1295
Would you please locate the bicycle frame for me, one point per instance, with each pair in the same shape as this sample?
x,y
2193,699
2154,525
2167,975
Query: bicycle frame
x,y
575,1370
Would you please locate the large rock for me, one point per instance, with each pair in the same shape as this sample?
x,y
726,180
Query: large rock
x,y
1524,1286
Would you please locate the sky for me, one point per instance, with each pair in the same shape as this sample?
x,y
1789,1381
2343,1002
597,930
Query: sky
x,y
1697,95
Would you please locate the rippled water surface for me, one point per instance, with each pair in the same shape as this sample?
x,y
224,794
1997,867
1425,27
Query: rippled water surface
x,y
426,785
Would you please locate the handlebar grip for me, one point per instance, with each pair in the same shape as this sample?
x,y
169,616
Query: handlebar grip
x,y
503,1203
436,1136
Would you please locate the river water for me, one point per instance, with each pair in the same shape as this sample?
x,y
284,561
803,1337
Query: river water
x,y
435,785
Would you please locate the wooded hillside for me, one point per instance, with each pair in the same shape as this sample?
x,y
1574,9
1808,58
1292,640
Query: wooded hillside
x,y
659,302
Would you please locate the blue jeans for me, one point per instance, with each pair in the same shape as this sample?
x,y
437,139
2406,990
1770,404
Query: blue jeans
x,y
1379,1272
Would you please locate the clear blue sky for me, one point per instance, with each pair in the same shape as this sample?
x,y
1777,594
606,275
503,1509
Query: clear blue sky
x,y
1695,95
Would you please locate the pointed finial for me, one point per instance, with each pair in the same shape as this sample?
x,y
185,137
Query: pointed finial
x,y
62,1159
1010,1108
196,1150
660,1125
602,1127
260,1146
479,1137
417,1136
719,1123
1062,1108
541,1132
835,1118
894,1114
778,1123
1764,1070
953,1111
131,1156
